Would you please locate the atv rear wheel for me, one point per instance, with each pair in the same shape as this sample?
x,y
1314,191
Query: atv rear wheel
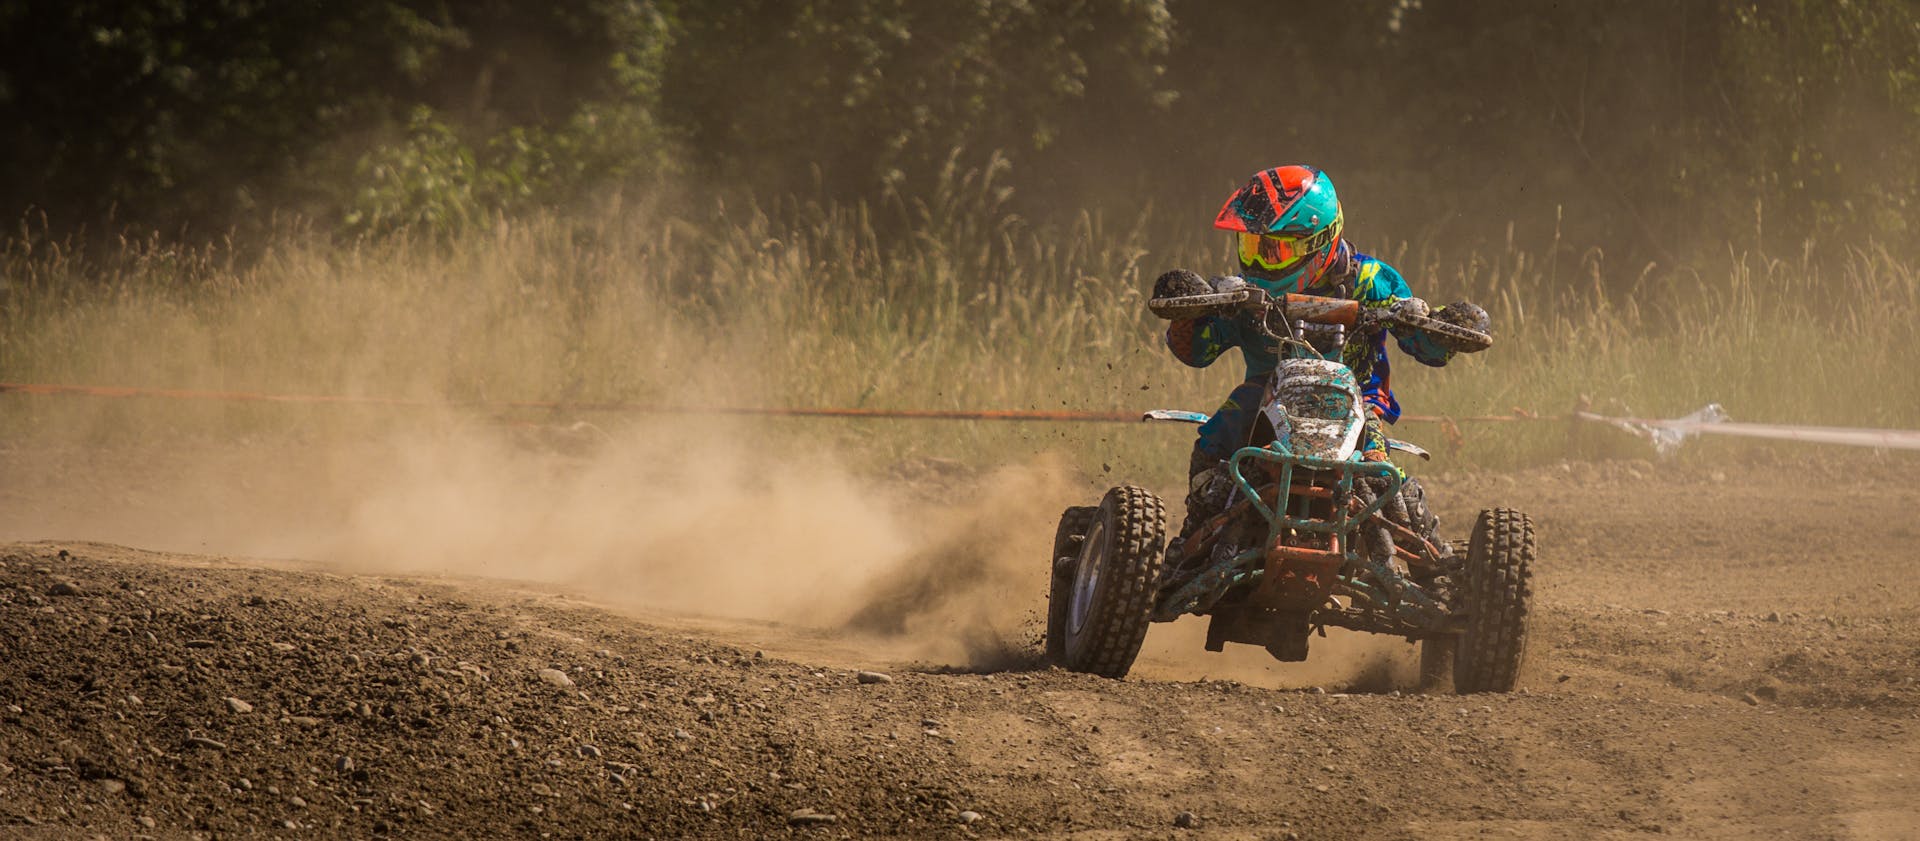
x,y
1101,602
1497,598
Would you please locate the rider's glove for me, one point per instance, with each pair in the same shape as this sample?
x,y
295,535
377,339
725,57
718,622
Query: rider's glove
x,y
1463,314
1180,283
1437,349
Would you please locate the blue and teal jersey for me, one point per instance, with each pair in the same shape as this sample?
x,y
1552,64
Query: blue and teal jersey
x,y
1197,342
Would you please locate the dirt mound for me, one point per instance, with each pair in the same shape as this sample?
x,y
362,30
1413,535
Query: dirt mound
x,y
1693,676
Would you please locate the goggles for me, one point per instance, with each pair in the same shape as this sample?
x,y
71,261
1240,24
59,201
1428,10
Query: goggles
x,y
1279,252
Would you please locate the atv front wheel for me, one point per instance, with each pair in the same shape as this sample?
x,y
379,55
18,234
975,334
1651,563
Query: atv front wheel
x,y
1101,601
1497,598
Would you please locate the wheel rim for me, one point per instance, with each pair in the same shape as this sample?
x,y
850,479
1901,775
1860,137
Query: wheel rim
x,y
1086,574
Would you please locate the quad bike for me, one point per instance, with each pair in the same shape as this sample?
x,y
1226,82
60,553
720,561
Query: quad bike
x,y
1310,534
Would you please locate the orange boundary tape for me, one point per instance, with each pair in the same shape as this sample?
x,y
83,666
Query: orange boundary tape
x,y
186,394
829,412
246,396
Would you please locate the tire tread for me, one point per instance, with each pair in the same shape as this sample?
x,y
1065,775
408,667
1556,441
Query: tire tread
x,y
1123,609
1499,596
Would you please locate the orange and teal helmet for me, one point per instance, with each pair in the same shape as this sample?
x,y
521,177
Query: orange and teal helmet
x,y
1288,220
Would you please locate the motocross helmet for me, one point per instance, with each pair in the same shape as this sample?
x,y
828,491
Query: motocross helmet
x,y
1288,221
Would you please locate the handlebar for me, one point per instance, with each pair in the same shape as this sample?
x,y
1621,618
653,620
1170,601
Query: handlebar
x,y
1315,309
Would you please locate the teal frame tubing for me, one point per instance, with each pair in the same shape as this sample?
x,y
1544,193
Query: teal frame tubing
x,y
1405,604
1342,521
1198,594
1400,598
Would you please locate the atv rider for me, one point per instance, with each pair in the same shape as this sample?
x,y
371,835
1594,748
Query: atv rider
x,y
1287,224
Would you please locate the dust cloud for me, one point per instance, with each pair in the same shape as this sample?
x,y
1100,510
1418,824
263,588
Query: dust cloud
x,y
644,518
704,526
682,517
688,517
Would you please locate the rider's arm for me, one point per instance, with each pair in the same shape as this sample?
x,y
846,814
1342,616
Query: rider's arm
x,y
1381,286
1378,285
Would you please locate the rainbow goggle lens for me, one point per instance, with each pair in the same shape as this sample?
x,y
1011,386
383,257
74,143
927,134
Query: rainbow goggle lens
x,y
1280,252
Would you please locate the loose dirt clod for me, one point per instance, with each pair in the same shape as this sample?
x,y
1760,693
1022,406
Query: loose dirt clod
x,y
204,742
809,817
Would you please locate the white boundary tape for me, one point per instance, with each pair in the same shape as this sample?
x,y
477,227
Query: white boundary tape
x,y
1667,434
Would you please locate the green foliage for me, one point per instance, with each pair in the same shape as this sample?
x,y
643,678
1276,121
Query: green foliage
x,y
174,115
865,95
432,179
1837,87
1643,126
171,112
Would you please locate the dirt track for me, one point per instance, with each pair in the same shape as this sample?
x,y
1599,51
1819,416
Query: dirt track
x,y
1716,657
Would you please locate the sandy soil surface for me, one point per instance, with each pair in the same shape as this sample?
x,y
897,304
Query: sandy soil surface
x,y
1734,654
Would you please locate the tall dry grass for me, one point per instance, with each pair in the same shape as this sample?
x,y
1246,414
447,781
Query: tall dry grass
x,y
946,302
